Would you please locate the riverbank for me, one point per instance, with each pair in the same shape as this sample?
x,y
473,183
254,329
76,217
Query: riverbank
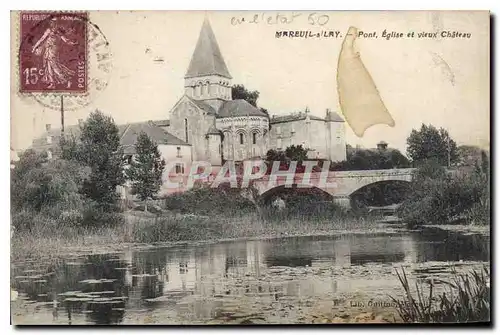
x,y
463,229
144,231
147,231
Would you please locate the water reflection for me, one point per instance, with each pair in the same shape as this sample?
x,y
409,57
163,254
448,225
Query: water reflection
x,y
198,282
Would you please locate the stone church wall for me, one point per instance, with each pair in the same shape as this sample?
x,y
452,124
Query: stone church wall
x,y
198,124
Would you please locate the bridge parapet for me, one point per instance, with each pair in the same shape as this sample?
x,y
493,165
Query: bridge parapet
x,y
337,183
373,173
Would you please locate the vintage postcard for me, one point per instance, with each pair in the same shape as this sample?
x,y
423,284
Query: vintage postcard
x,y
250,167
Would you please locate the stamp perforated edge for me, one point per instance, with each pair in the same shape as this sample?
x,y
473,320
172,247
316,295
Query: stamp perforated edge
x,y
17,46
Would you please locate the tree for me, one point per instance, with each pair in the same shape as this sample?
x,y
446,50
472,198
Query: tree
x,y
398,160
265,111
69,147
470,155
292,153
369,159
146,168
99,149
275,155
45,194
240,92
296,153
28,160
42,186
431,143
439,197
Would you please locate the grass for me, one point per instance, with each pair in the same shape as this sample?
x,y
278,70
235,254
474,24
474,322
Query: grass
x,y
54,243
207,228
468,300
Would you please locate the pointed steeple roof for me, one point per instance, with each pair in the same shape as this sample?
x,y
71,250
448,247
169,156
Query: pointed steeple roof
x,y
207,58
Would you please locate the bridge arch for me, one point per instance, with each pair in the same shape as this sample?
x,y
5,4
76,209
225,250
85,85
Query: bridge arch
x,y
381,193
270,194
403,183
338,184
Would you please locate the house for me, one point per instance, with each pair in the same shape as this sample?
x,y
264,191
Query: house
x,y
323,137
172,149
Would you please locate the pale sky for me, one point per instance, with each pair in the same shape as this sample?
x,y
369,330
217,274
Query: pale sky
x,y
291,74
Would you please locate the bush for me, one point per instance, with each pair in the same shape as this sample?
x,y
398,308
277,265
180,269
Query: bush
x,y
438,197
205,200
96,216
37,185
480,213
310,203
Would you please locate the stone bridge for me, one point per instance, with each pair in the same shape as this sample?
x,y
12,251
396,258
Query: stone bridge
x,y
339,184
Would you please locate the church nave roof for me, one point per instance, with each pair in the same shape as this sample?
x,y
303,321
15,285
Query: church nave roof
x,y
239,107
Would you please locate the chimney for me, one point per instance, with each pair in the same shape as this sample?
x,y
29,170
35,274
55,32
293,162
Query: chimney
x,y
382,145
47,127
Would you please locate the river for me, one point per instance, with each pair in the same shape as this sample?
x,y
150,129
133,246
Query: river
x,y
281,280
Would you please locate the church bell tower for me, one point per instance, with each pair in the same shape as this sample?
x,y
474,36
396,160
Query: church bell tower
x,y
207,77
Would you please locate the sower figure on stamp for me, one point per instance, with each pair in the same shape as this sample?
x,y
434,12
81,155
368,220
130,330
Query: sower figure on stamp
x,y
48,48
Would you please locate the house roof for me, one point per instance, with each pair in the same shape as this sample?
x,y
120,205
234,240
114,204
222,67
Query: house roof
x,y
40,142
293,117
239,107
203,105
127,132
162,123
207,58
130,132
333,117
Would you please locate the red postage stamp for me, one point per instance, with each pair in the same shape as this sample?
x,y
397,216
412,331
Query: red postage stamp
x,y
53,52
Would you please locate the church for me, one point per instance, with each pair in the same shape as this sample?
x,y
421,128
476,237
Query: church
x,y
219,128
206,124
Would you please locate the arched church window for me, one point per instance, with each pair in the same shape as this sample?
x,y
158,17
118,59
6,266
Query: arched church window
x,y
197,90
254,138
242,138
208,88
